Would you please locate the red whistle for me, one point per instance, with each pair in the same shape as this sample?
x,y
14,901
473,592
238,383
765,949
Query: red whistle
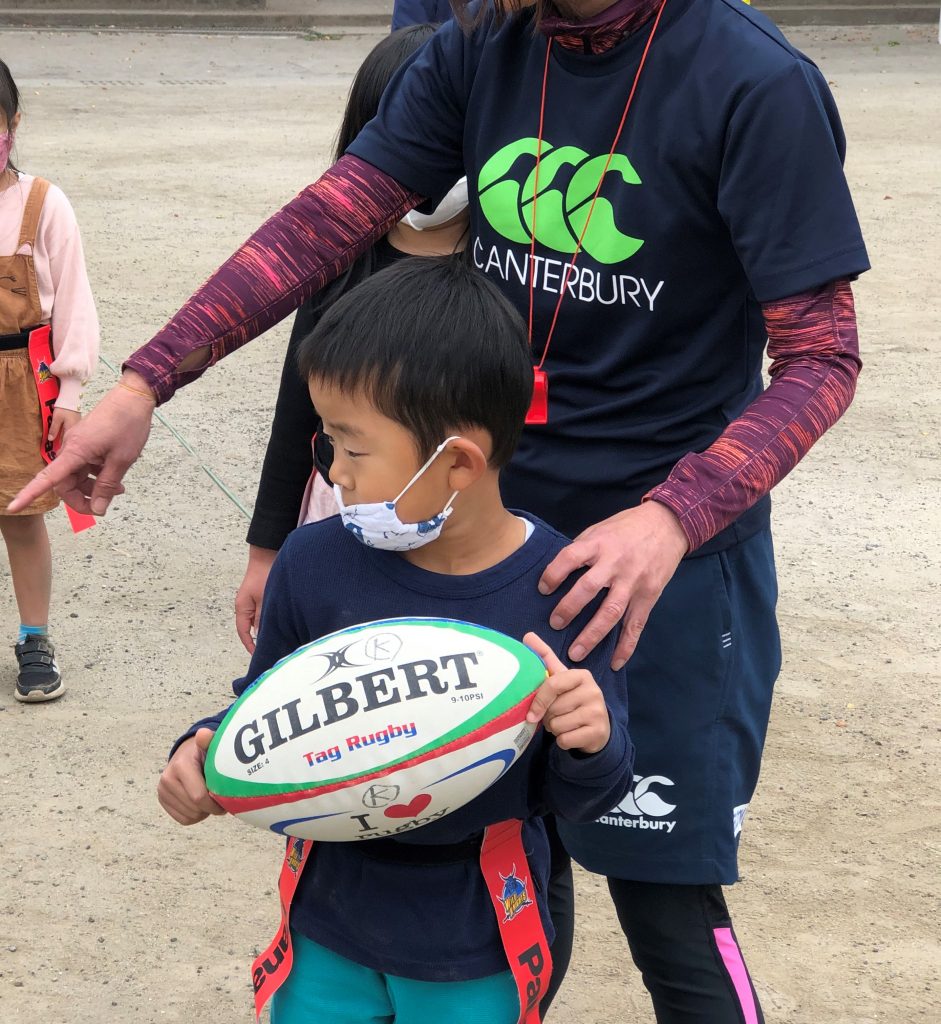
x,y
539,405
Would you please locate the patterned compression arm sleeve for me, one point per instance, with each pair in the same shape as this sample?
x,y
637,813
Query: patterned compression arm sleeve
x,y
814,348
303,247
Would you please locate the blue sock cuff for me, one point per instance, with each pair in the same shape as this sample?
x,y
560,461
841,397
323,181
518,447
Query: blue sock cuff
x,y
26,631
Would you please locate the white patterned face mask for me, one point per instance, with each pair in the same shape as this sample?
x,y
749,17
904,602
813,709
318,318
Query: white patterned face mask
x,y
377,525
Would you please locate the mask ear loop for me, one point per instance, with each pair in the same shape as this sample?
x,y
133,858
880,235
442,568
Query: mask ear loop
x,y
434,455
449,508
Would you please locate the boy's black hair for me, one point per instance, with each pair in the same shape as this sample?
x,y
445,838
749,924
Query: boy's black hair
x,y
435,346
9,103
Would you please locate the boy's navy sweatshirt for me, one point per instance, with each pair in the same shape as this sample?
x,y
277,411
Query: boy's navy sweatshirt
x,y
399,905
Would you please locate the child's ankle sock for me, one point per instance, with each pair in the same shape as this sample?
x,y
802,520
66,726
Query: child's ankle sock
x,y
26,631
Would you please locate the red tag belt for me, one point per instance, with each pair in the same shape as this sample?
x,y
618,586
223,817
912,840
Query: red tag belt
x,y
505,870
521,931
271,968
40,359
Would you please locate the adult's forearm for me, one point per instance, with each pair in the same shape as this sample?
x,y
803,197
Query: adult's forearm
x,y
814,347
304,246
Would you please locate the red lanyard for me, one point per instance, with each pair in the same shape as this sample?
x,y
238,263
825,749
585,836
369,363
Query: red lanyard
x,y
539,408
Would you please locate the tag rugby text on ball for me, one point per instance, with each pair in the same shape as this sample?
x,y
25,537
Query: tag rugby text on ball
x,y
381,737
374,691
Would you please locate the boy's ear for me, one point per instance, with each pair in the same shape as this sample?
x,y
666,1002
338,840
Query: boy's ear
x,y
468,463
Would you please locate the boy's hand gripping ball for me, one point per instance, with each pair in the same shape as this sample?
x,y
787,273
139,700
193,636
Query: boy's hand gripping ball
x,y
375,730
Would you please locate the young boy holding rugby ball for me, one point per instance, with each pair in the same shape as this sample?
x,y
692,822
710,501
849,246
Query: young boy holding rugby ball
x,y
422,377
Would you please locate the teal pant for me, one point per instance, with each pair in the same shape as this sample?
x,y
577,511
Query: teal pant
x,y
326,988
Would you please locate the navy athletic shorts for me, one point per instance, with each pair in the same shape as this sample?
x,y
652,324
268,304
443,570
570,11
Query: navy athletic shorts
x,y
699,688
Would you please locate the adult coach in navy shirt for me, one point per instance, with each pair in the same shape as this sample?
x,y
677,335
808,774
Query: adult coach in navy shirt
x,y
690,160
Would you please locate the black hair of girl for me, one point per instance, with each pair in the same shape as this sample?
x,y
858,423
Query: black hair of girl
x,y
375,73
459,358
9,103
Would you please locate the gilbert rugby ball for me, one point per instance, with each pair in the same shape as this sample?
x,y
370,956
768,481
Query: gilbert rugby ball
x,y
375,730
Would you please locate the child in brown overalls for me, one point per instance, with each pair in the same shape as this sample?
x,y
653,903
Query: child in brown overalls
x,y
42,281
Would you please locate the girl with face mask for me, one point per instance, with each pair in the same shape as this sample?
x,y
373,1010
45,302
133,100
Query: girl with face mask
x,y
43,285
294,482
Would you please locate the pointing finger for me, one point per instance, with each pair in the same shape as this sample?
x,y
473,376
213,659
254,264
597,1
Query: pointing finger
x,y
44,482
549,658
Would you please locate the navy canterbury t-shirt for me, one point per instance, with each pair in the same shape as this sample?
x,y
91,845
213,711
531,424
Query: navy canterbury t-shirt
x,y
726,190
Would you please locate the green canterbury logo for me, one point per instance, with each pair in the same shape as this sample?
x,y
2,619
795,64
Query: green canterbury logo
x,y
508,204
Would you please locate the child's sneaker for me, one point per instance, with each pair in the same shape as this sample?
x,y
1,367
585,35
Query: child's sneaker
x,y
39,677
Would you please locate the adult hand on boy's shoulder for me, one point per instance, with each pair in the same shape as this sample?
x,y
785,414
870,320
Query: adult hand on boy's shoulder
x,y
182,787
569,703
633,555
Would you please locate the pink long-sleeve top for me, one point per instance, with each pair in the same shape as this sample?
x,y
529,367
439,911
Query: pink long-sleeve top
x,y
64,291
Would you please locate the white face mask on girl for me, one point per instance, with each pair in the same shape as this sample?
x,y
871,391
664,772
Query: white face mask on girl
x,y
377,525
449,207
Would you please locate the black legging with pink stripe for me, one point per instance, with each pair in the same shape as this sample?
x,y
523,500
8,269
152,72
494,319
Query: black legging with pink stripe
x,y
681,940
